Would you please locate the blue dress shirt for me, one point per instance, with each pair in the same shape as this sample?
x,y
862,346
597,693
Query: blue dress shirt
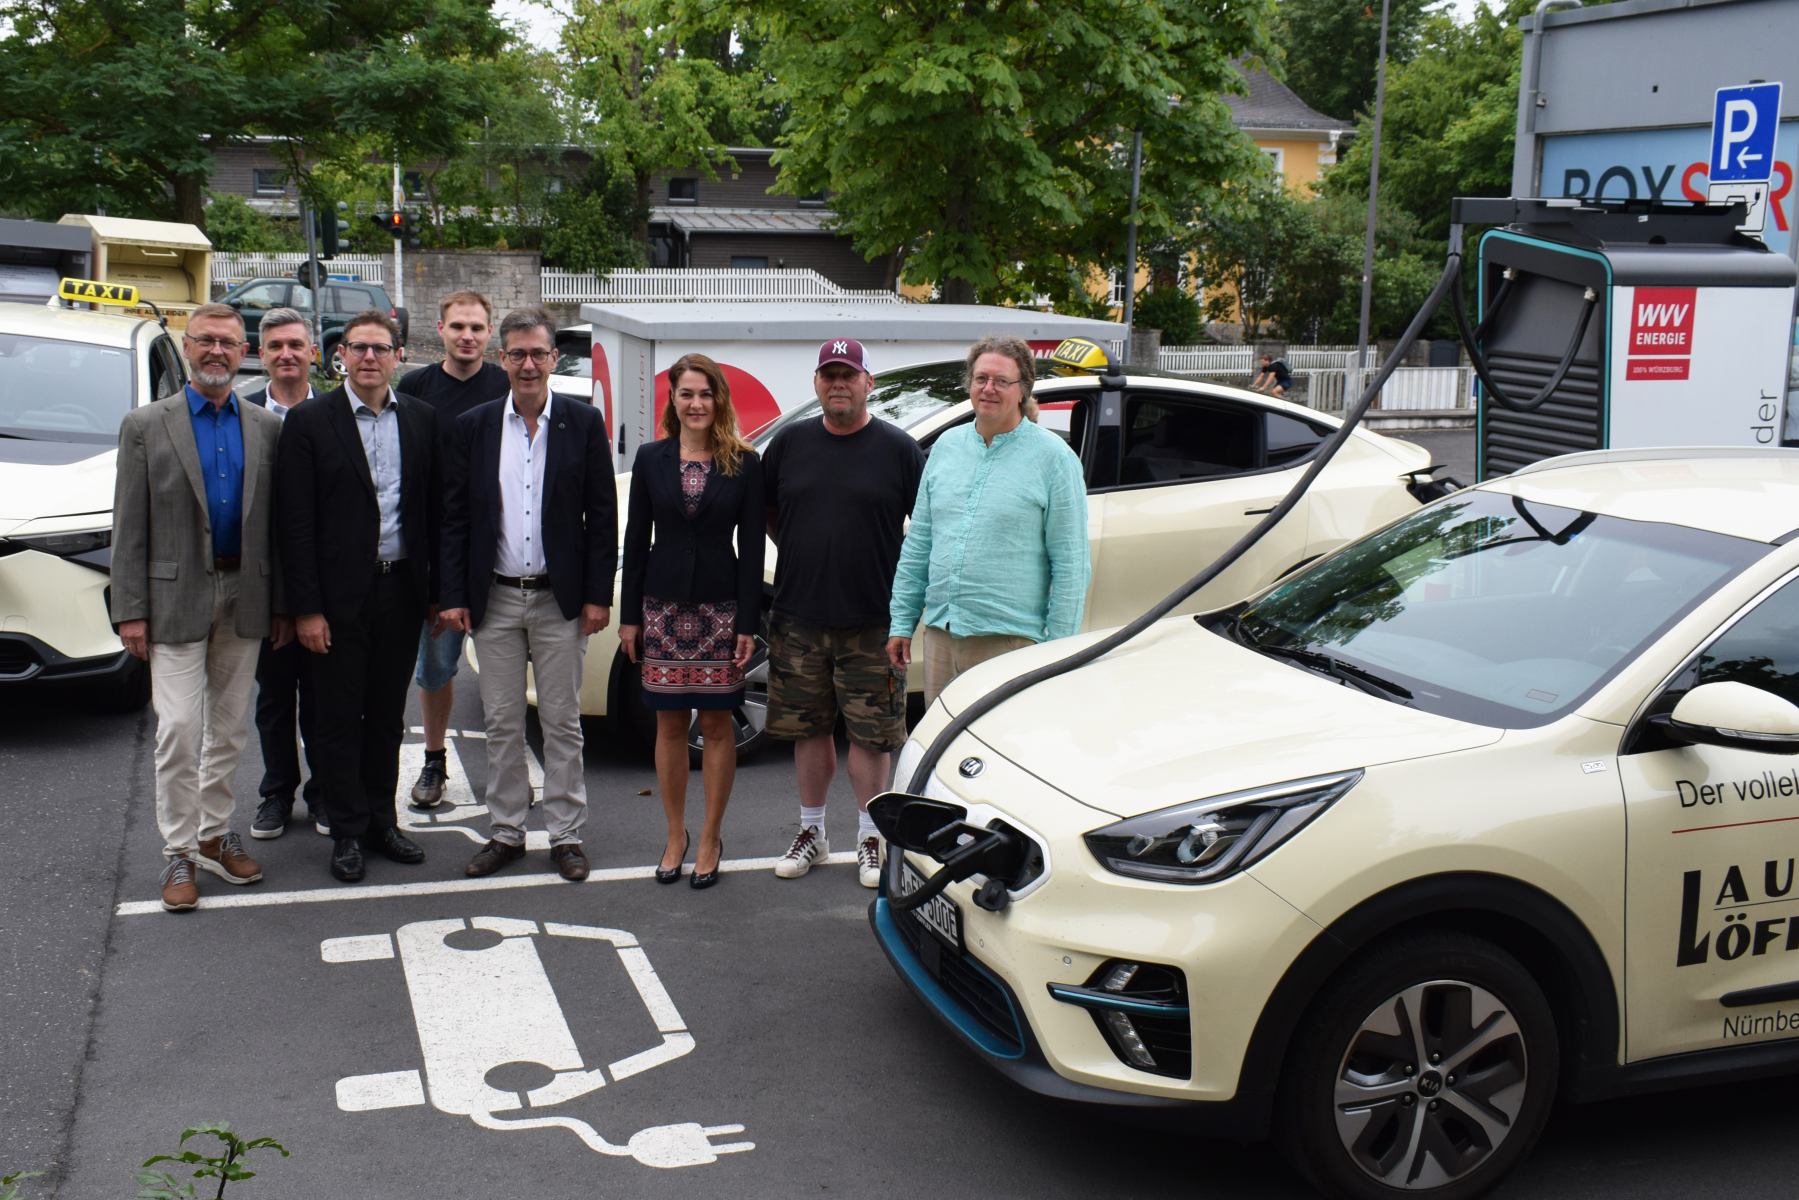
x,y
219,438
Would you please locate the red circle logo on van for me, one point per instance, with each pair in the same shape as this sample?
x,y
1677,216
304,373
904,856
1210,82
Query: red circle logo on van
x,y
754,403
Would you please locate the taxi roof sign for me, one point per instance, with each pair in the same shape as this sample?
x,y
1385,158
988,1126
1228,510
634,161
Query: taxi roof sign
x,y
94,291
1080,355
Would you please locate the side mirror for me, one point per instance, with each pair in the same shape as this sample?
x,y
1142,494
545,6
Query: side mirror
x,y
235,302
1738,716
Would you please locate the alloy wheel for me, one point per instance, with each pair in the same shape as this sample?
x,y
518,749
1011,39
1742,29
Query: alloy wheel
x,y
1431,1084
749,721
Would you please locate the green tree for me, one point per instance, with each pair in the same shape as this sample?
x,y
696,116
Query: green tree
x,y
1332,48
233,226
654,107
1451,113
593,225
121,103
988,143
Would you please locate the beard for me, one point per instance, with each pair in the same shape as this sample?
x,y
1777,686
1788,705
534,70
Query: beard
x,y
213,375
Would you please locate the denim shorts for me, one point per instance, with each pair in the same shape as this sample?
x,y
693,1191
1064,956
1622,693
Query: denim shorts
x,y
438,658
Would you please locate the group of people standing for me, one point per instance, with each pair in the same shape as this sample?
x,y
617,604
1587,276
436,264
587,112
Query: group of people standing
x,y
333,548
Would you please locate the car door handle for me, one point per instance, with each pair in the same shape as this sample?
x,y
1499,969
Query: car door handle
x,y
1257,512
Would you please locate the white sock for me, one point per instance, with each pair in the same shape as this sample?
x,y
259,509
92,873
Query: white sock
x,y
865,827
814,817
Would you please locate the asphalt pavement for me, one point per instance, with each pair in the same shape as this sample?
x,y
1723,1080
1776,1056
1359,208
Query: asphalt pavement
x,y
314,1012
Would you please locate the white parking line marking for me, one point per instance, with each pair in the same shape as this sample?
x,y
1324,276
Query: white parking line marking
x,y
459,803
399,891
391,1089
357,949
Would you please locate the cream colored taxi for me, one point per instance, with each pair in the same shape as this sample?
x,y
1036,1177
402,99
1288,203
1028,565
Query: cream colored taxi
x,y
67,377
1177,470
1494,806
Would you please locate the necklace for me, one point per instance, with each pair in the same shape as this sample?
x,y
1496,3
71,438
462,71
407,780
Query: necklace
x,y
704,451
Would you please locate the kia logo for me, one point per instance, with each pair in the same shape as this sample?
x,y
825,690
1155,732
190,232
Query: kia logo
x,y
971,767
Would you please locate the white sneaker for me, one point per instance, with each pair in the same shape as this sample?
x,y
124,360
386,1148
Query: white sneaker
x,y
807,848
868,861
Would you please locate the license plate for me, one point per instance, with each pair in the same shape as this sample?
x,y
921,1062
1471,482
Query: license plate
x,y
939,914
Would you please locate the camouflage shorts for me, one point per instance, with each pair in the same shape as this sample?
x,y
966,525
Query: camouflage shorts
x,y
816,673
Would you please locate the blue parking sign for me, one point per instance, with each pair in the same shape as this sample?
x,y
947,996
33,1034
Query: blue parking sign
x,y
1744,122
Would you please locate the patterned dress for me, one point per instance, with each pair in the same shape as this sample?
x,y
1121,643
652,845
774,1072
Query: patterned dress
x,y
688,645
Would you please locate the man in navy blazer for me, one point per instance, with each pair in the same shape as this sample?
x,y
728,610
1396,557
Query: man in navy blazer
x,y
530,554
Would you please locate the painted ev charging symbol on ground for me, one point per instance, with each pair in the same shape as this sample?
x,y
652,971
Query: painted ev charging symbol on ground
x,y
484,1008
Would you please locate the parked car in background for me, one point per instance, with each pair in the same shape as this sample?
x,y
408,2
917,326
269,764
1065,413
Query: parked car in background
x,y
573,374
338,301
67,378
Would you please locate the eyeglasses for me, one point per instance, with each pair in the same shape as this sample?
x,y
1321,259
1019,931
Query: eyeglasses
x,y
517,357
364,349
214,343
983,382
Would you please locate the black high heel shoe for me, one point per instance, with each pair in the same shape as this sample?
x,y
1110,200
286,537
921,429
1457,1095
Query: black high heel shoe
x,y
706,879
670,874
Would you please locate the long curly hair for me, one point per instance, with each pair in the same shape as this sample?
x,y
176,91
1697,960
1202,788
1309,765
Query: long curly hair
x,y
728,446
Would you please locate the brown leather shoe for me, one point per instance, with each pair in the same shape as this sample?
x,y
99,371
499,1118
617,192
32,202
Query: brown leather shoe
x,y
224,856
492,857
570,861
179,891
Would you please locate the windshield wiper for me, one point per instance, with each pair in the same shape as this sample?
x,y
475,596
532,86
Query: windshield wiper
x,y
1345,673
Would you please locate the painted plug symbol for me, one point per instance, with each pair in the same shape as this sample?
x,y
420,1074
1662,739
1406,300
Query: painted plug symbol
x,y
478,1009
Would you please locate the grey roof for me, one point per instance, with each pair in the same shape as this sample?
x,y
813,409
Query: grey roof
x,y
806,320
1271,104
696,219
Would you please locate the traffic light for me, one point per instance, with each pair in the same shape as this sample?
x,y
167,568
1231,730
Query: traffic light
x,y
328,228
401,226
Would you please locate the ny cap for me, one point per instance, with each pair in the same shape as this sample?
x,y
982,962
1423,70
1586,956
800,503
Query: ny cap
x,y
847,351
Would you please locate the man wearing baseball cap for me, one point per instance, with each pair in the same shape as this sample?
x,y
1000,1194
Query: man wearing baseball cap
x,y
839,489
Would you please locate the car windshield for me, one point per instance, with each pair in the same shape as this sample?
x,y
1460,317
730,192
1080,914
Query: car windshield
x,y
58,391
1491,608
569,363
905,397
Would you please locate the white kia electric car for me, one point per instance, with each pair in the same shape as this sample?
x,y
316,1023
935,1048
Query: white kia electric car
x,y
1494,806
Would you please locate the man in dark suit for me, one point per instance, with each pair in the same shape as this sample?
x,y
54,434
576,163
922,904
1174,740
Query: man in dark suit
x,y
283,677
530,551
359,477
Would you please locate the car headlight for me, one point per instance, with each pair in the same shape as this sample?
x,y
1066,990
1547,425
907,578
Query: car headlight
x,y
1207,840
83,541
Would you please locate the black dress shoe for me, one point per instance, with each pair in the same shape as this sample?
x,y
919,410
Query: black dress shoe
x,y
671,874
705,879
346,859
398,847
570,862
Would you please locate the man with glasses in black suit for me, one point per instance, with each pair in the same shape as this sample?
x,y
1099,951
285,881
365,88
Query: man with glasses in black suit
x,y
359,477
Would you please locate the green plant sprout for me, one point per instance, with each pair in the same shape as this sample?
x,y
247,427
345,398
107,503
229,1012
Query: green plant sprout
x,y
9,1187
227,1167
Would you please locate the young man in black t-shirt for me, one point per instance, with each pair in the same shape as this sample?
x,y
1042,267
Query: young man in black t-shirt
x,y
455,385
839,490
1275,378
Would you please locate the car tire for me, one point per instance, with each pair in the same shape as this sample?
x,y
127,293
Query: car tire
x,y
128,692
749,721
1364,1112
331,362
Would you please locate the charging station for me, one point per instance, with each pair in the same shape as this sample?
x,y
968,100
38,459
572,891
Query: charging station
x,y
1646,323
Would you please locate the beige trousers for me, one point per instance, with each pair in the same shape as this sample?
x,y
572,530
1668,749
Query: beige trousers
x,y
521,627
201,692
946,657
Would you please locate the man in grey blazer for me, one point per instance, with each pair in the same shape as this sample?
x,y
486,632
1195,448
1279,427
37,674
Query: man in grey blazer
x,y
195,590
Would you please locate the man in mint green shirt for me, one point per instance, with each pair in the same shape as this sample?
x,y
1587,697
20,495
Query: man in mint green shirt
x,y
996,558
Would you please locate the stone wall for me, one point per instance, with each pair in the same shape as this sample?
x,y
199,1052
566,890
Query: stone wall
x,y
508,278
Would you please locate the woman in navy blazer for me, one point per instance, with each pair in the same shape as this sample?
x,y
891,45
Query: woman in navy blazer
x,y
692,600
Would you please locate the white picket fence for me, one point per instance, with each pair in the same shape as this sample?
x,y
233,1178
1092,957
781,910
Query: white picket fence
x,y
235,268
1243,360
699,283
1409,389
